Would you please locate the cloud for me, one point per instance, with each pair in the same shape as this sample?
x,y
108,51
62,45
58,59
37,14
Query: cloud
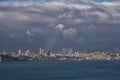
x,y
69,33
12,35
84,21
51,12
59,27
111,4
29,33
92,27
65,15
23,17
3,29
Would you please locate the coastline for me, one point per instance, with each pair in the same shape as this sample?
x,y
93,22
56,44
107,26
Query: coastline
x,y
58,57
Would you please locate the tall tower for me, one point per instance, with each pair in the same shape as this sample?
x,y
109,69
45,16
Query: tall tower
x,y
48,53
19,52
41,51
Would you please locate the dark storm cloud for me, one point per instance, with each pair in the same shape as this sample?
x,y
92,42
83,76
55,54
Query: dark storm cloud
x,y
60,23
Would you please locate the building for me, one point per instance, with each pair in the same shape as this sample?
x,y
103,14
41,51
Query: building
x,y
0,59
20,52
48,53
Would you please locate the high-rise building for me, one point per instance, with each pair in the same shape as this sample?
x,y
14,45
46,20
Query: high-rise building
x,y
41,51
27,52
116,50
69,51
19,52
64,51
48,53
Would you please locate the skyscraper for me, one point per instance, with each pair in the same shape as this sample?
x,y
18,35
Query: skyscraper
x,y
19,52
48,53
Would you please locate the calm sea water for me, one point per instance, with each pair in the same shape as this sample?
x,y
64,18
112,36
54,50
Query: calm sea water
x,y
60,70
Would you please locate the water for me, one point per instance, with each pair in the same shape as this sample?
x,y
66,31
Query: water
x,y
60,70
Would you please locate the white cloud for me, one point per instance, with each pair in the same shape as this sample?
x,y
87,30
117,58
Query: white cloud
x,y
65,15
111,4
92,27
79,7
49,11
23,17
29,33
59,27
78,21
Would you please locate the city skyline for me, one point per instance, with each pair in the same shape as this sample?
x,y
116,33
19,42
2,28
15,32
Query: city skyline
x,y
64,54
60,51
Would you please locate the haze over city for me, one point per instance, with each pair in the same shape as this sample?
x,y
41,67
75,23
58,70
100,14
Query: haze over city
x,y
56,24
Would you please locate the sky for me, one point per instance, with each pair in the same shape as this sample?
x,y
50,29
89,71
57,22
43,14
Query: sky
x,y
84,25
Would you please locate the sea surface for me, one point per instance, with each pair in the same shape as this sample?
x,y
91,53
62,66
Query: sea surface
x,y
60,70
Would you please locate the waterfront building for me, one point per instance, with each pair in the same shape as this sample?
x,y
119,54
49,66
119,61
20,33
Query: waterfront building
x,y
27,52
4,52
118,55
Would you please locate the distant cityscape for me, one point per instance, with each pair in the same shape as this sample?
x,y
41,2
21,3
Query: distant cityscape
x,y
64,54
